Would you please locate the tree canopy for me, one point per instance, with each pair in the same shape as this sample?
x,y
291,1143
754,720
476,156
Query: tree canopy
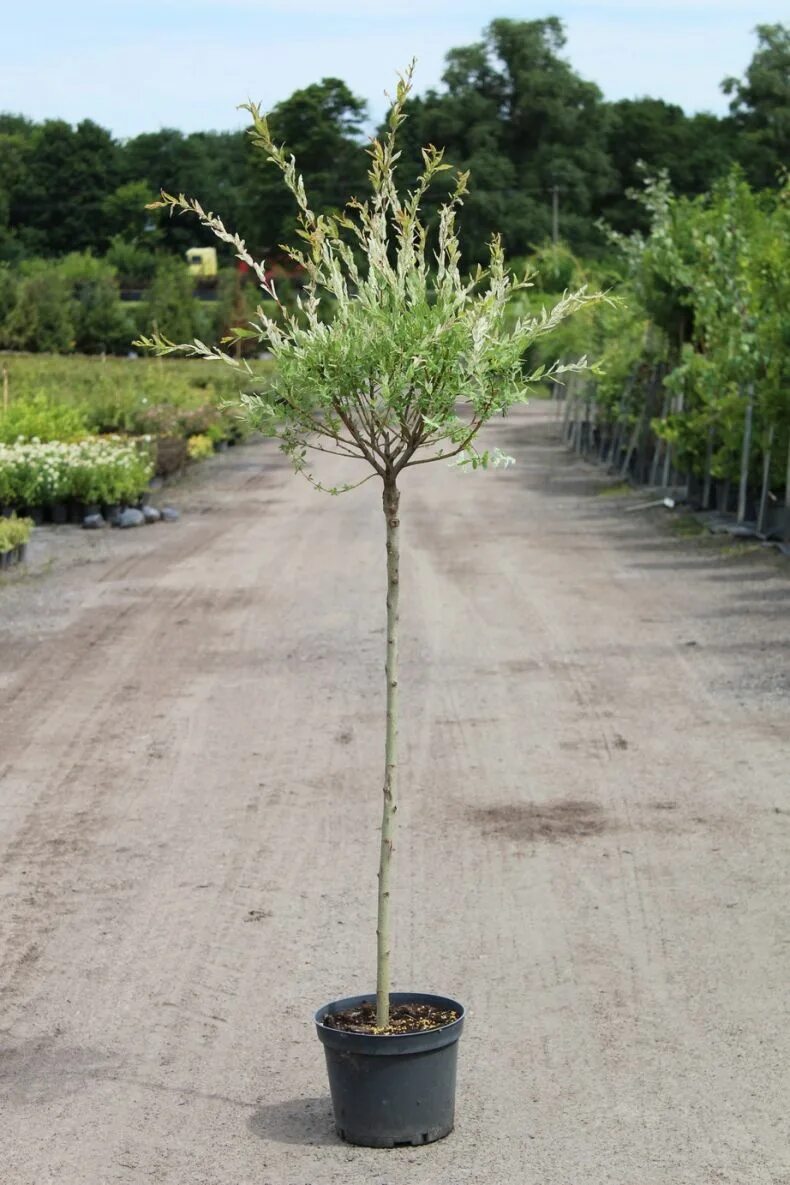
x,y
510,108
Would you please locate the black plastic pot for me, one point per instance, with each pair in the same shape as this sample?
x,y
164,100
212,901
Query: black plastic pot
x,y
390,1091
777,522
60,513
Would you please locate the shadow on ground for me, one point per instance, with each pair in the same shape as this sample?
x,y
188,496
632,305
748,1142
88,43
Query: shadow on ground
x,y
295,1121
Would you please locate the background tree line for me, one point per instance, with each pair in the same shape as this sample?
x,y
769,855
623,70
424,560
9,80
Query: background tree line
x,y
510,108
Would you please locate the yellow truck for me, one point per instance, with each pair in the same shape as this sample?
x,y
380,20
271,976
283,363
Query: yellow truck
x,y
202,262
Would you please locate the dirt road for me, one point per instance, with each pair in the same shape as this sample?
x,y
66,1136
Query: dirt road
x,y
595,772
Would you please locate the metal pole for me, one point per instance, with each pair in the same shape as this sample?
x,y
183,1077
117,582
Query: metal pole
x,y
766,479
745,453
570,408
619,426
566,418
674,477
708,467
649,410
660,444
667,458
632,446
614,442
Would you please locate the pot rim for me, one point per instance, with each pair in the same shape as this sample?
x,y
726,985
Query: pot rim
x,y
422,1038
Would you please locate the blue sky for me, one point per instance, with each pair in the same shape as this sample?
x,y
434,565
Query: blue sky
x,y
187,63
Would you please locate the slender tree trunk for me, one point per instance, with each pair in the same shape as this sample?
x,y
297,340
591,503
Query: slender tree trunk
x,y
391,502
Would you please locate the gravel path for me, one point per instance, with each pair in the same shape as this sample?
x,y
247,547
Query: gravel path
x,y
595,772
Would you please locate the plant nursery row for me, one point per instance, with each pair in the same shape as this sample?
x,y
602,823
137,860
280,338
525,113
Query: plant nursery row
x,y
59,480
85,435
694,388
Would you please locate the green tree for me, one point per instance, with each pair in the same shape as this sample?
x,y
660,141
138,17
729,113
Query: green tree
x,y
760,106
171,306
514,112
134,264
214,162
41,318
8,286
16,135
71,172
125,214
322,127
651,134
101,324
412,341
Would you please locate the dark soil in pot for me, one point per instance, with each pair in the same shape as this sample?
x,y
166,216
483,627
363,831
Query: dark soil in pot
x,y
408,1017
394,1088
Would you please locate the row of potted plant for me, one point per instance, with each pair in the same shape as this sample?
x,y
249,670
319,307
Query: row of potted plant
x,y
171,426
14,536
49,477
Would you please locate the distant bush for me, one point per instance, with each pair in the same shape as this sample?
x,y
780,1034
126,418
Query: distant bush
x,y
42,418
41,316
170,303
101,324
134,265
199,447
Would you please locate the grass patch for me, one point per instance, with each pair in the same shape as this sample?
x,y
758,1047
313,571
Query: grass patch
x,y
742,549
621,490
687,526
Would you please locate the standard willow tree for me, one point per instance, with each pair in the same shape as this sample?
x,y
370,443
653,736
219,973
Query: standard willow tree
x,y
412,362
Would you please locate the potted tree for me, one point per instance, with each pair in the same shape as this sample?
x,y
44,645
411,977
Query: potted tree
x,y
414,361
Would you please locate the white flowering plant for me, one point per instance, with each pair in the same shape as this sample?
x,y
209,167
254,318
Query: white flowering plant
x,y
415,359
105,469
